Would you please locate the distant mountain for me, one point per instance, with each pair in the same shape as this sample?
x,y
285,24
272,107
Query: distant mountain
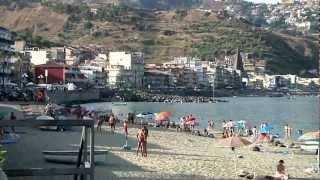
x,y
161,35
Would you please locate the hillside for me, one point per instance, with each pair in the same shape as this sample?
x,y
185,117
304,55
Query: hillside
x,y
162,34
39,20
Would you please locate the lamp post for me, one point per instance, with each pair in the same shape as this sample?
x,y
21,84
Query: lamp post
x,y
24,78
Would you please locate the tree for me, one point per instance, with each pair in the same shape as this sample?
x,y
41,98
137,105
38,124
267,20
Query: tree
x,y
88,25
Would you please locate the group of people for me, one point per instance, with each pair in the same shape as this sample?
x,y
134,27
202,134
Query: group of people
x,y
287,131
187,123
228,128
142,134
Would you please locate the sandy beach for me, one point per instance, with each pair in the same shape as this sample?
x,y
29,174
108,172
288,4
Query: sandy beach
x,y
171,155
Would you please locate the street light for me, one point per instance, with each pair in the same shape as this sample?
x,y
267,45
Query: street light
x,y
24,78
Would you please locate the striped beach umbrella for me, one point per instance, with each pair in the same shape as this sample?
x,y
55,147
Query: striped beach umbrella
x,y
235,141
310,136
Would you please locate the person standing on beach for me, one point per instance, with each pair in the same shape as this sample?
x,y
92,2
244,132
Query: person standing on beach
x,y
125,128
13,118
112,123
146,133
286,134
290,129
254,131
224,133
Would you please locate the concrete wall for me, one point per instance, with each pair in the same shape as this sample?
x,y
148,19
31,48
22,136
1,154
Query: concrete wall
x,y
61,97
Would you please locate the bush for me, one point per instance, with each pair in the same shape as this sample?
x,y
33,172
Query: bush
x,y
88,25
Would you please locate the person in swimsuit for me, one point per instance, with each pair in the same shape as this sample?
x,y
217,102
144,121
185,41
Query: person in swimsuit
x,y
146,133
141,141
112,123
125,128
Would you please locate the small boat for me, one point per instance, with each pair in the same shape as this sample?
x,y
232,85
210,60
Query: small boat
x,y
119,103
276,94
222,100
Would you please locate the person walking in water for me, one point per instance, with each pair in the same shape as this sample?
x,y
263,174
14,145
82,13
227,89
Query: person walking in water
x,y
13,118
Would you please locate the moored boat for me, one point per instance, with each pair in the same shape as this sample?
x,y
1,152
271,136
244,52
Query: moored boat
x,y
119,103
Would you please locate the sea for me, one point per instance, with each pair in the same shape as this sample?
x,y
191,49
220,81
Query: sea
x,y
301,112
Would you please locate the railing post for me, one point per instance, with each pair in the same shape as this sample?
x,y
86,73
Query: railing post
x,y
92,152
85,150
79,160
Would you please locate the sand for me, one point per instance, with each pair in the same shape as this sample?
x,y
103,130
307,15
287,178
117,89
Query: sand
x,y
171,155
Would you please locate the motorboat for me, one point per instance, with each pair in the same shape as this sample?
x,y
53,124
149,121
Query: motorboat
x,y
53,128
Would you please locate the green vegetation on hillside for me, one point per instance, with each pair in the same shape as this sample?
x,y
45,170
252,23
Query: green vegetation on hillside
x,y
162,35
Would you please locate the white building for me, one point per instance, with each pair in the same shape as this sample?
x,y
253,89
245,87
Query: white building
x,y
38,56
94,73
127,68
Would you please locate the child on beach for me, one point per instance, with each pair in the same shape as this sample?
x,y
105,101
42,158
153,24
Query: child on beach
x,y
280,173
13,118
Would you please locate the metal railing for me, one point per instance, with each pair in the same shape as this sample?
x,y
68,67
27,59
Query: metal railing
x,y
85,164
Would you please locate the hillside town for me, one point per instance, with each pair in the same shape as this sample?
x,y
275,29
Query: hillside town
x,y
299,16
74,67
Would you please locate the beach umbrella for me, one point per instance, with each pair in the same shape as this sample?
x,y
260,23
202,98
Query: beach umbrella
x,y
235,141
310,136
165,114
162,116
311,140
263,137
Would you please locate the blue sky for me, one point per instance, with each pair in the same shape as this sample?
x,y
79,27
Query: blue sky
x,y
264,1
